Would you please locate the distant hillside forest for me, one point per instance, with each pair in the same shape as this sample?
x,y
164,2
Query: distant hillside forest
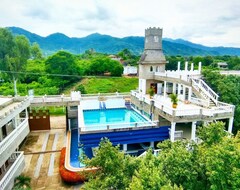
x,y
112,45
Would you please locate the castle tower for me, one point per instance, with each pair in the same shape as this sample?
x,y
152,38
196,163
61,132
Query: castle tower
x,y
152,59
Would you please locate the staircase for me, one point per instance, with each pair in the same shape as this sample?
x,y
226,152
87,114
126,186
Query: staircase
x,y
205,91
102,105
128,105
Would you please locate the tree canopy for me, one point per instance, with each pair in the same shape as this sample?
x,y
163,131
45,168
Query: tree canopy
x,y
212,164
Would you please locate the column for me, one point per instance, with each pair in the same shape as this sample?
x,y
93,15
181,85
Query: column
x,y
200,67
152,144
165,89
189,93
191,66
178,66
186,66
193,132
172,132
179,89
230,125
125,147
184,92
174,88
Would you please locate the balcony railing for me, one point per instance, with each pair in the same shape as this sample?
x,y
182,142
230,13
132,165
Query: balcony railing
x,y
196,111
16,168
12,141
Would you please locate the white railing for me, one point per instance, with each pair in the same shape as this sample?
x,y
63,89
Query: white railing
x,y
200,102
25,103
199,84
14,171
222,108
118,126
181,74
11,138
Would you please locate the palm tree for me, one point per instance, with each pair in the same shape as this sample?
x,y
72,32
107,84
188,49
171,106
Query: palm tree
x,y
22,183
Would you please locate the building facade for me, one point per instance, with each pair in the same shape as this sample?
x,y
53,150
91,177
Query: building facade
x,y
13,130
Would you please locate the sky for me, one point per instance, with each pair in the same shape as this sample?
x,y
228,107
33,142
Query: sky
x,y
207,22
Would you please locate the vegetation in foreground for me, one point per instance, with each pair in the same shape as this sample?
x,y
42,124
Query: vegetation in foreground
x,y
212,164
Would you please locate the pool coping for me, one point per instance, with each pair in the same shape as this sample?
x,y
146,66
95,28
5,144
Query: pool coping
x,y
67,158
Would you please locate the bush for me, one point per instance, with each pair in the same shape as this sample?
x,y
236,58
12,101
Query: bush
x,y
66,175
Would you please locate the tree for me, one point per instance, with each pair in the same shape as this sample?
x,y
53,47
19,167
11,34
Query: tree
x,y
36,51
115,169
62,63
14,54
213,164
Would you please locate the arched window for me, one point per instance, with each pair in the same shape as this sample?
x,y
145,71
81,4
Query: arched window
x,y
151,69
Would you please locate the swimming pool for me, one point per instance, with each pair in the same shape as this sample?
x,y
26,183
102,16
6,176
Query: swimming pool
x,y
112,118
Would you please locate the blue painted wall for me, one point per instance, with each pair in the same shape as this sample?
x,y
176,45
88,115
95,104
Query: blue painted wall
x,y
126,137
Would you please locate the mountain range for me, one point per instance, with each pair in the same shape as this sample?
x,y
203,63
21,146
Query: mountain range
x,y
112,45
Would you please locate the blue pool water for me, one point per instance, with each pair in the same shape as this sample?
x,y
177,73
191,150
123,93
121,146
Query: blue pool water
x,y
114,117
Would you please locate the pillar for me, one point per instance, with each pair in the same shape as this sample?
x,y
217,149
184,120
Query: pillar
x,y
230,124
191,66
165,89
178,66
125,147
200,67
189,93
152,144
193,132
184,92
172,132
174,88
179,89
186,66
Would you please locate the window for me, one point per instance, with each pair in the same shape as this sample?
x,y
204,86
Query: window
x,y
151,68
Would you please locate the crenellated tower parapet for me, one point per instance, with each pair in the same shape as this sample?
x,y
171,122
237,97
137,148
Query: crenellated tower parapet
x,y
153,39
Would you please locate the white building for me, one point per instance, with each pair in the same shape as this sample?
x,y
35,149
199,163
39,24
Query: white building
x,y
130,70
13,130
197,101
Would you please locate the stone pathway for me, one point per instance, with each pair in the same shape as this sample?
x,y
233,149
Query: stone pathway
x,y
42,152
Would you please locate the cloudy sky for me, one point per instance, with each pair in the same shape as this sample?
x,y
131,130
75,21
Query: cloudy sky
x,y
208,22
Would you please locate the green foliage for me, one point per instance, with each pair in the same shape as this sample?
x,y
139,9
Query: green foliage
x,y
174,98
213,164
151,91
14,53
128,57
36,51
228,88
213,133
115,171
81,88
22,183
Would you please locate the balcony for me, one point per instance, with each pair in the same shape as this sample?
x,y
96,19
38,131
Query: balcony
x,y
193,109
14,169
12,141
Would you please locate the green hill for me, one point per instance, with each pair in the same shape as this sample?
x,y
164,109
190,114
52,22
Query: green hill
x,y
112,45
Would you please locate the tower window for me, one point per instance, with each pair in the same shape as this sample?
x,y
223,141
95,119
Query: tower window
x,y
151,68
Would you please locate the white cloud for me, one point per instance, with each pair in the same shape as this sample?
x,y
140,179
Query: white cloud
x,y
209,22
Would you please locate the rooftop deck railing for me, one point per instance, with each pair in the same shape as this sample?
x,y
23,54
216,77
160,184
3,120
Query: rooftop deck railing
x,y
108,127
181,74
196,111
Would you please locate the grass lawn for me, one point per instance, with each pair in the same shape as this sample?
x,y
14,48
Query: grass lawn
x,y
108,85
93,85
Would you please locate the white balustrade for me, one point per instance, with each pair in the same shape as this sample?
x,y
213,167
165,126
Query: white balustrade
x,y
14,135
13,171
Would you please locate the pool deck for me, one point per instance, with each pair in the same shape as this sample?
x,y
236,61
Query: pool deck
x,y
42,153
